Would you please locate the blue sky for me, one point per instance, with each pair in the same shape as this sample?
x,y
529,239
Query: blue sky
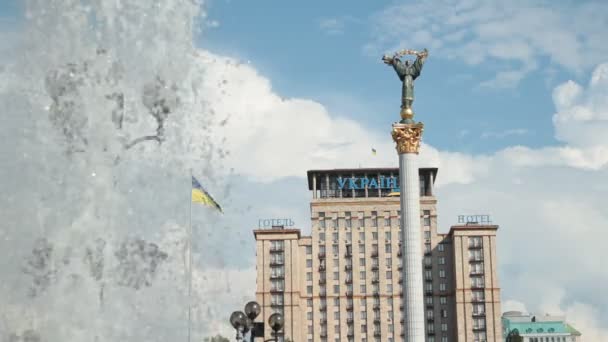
x,y
290,44
513,97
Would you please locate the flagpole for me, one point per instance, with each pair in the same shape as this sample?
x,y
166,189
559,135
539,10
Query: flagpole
x,y
190,262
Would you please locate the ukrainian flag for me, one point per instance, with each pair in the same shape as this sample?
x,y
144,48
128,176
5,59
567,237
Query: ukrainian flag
x,y
200,195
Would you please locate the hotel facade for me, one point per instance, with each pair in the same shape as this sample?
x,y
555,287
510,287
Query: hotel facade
x,y
344,281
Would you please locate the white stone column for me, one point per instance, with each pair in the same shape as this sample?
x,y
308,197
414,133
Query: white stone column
x,y
407,137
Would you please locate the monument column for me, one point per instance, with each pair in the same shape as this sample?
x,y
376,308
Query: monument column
x,y
407,137
407,134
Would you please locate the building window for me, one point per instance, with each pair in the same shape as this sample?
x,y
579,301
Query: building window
x,y
429,314
374,219
427,235
387,248
442,273
440,247
336,275
336,301
442,287
308,250
427,248
361,248
375,236
389,288
362,236
310,329
441,260
427,217
444,327
337,316
335,248
429,287
444,313
362,288
309,302
349,236
309,315
309,289
444,339
309,276
443,300
334,236
387,236
321,236
389,275
428,300
348,222
362,275
361,219
363,328
362,261
309,263
389,262
336,288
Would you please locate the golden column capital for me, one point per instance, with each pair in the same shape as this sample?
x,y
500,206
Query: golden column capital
x,y
407,137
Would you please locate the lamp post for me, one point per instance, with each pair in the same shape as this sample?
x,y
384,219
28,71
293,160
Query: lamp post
x,y
244,322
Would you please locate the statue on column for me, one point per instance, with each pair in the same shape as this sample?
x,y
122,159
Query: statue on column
x,y
407,73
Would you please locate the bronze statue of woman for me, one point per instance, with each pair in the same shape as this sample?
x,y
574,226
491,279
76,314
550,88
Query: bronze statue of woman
x,y
407,73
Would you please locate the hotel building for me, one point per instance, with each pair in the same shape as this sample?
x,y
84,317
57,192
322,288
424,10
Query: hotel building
x,y
344,281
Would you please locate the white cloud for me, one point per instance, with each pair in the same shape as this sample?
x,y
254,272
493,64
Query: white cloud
x,y
336,26
505,133
517,33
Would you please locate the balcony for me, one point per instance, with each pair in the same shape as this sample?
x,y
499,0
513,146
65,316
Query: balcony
x,y
349,293
375,267
321,255
377,320
322,281
348,267
348,255
428,292
376,306
399,253
323,320
276,262
478,300
430,319
323,334
349,320
479,327
377,333
479,313
323,307
428,265
276,249
476,272
277,289
429,305
476,258
375,280
402,321
374,254
400,280
350,334
376,294
400,267
478,286
321,268
276,304
349,280
277,276
323,293
349,306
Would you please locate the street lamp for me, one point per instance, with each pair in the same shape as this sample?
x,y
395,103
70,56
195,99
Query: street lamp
x,y
244,322
239,323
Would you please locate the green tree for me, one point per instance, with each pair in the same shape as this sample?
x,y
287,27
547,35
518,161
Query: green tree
x,y
216,338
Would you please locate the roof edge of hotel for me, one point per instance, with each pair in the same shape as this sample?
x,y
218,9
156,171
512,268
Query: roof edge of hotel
x,y
280,231
473,227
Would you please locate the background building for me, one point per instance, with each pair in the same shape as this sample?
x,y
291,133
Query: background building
x,y
539,328
343,283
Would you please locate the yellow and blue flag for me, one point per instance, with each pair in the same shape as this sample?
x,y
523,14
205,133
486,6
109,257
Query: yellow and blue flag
x,y
200,195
